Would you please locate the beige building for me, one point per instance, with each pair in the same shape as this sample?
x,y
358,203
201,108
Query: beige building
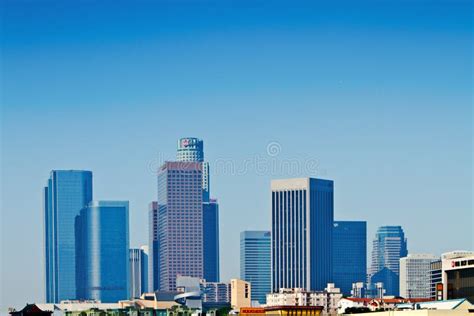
x,y
240,294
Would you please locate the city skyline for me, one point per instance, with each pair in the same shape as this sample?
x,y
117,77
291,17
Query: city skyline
x,y
378,100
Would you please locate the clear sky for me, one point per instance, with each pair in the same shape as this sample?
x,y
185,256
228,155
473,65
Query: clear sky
x,y
376,95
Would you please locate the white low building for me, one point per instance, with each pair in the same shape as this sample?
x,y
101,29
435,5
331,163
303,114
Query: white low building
x,y
328,299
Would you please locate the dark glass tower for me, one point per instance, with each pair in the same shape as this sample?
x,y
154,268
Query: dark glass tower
x,y
349,254
210,222
103,252
255,262
153,256
67,192
302,224
389,245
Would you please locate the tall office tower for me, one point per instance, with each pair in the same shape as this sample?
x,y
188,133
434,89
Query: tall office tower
x,y
349,255
389,246
153,255
415,278
138,265
102,246
180,223
302,220
255,262
66,193
192,149
210,221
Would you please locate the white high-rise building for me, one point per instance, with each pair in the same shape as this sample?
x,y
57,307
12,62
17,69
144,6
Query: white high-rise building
x,y
415,275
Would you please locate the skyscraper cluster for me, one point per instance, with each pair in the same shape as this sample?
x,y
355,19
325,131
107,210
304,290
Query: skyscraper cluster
x,y
87,242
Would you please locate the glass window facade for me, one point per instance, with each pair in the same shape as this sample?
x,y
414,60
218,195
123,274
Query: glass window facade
x,y
255,262
67,192
461,283
349,254
210,219
389,246
103,251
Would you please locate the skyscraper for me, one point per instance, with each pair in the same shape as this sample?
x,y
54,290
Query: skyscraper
x,y
255,262
180,225
302,220
210,219
349,254
153,242
191,149
138,266
102,245
67,192
415,275
388,247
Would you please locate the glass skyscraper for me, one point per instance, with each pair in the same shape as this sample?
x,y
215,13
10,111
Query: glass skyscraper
x,y
180,222
66,193
102,241
255,262
210,221
138,271
191,149
349,254
153,255
388,247
302,225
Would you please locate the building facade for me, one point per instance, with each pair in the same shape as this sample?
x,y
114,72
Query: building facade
x,y
328,299
138,266
415,275
210,220
180,222
349,255
153,249
240,294
102,240
255,262
435,278
191,149
302,227
66,193
458,275
388,247
216,292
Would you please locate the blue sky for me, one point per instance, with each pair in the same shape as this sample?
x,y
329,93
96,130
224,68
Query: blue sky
x,y
376,95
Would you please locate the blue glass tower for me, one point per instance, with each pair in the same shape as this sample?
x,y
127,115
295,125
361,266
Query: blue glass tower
x,y
67,192
153,243
138,271
349,254
388,247
302,222
210,222
103,251
255,263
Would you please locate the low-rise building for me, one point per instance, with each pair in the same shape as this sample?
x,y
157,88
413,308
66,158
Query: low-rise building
x,y
457,275
281,311
374,304
240,294
328,299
